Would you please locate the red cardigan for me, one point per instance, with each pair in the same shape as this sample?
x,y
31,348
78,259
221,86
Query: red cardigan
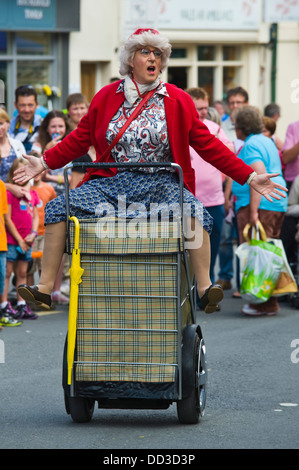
x,y
184,129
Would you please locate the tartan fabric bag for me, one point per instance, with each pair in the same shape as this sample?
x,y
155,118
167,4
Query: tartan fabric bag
x,y
127,321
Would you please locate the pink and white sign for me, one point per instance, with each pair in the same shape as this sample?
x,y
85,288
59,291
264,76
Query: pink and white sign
x,y
278,11
192,14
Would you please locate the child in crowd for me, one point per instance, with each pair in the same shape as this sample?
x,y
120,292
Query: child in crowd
x,y
5,317
52,130
77,107
46,193
21,229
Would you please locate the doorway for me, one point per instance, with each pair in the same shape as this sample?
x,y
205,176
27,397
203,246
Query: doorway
x,y
88,79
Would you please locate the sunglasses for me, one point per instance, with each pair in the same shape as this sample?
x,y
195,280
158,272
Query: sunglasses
x,y
146,53
25,87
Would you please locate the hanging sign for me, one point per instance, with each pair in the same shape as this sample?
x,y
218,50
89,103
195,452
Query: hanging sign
x,y
191,14
279,11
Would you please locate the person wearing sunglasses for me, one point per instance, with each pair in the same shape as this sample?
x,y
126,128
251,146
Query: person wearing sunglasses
x,y
162,132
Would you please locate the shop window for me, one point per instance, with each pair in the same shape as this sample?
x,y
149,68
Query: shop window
x,y
3,78
35,73
205,53
33,43
231,78
231,53
32,58
178,76
179,53
3,43
206,79
216,68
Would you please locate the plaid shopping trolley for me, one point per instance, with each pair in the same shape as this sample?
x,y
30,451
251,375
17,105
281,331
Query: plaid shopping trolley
x,y
132,339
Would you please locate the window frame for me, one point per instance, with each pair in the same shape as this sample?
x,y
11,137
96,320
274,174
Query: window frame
x,y
12,58
192,64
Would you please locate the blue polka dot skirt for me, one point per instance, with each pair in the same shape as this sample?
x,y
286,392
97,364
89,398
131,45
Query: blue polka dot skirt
x,y
128,194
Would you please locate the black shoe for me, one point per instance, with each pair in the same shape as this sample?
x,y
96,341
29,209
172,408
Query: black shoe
x,y
32,294
211,297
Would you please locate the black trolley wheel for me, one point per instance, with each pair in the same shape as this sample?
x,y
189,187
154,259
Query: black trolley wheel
x,y
80,408
194,377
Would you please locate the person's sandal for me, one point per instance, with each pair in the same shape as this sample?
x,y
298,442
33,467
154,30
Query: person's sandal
x,y
213,295
32,294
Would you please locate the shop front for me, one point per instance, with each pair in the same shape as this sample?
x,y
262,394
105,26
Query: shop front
x,y
34,47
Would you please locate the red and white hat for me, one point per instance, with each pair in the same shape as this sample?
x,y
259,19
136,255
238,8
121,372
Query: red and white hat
x,y
144,30
140,38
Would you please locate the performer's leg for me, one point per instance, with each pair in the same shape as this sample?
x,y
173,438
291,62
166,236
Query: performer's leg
x,y
200,255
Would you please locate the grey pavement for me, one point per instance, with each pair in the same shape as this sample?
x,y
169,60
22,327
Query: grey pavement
x,y
252,403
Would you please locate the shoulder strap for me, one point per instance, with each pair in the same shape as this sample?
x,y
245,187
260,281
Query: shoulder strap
x,y
31,131
135,113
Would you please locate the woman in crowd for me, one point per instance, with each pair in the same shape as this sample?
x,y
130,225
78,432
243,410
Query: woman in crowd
x,y
10,149
167,124
262,155
53,129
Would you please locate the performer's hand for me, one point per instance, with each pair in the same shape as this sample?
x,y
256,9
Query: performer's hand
x,y
27,172
268,188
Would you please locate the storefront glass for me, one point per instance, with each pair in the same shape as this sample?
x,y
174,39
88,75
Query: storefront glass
x,y
231,78
3,42
205,53
33,43
206,79
178,76
35,73
30,58
216,68
3,82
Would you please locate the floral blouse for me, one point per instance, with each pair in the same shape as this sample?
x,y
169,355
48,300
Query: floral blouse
x,y
146,139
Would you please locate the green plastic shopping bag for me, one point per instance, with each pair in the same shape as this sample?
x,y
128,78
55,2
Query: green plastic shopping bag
x,y
263,268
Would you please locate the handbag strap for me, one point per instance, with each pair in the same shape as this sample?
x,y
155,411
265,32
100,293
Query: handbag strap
x,y
259,232
134,114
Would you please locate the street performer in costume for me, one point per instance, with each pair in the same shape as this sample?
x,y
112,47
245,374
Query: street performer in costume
x,y
162,132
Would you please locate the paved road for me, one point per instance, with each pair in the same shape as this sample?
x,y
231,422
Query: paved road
x,y
252,398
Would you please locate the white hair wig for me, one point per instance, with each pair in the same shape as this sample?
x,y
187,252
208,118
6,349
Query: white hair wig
x,y
141,39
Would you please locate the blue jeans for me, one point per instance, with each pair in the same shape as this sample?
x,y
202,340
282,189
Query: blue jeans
x,y
226,253
217,212
2,270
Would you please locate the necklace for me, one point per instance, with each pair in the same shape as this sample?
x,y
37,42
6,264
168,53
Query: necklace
x,y
124,111
137,88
